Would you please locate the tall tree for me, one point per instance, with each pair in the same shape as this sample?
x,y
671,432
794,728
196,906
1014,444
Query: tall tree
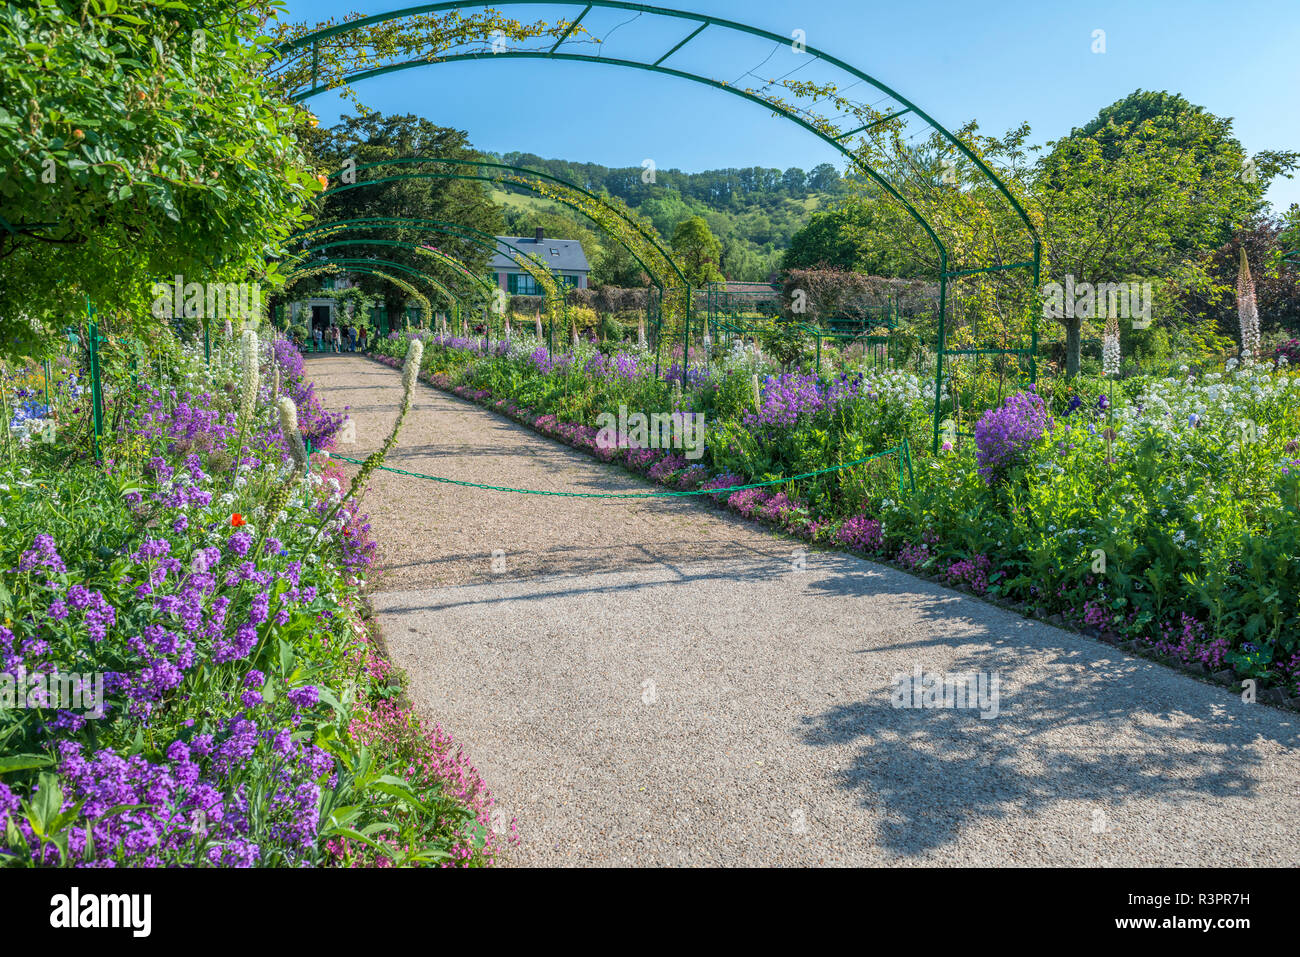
x,y
139,142
852,235
824,178
697,250
1140,191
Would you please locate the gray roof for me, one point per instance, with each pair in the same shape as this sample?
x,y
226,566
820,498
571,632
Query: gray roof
x,y
567,256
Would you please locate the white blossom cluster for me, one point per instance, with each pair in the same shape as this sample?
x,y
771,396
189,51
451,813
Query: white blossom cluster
x,y
745,357
896,386
1238,402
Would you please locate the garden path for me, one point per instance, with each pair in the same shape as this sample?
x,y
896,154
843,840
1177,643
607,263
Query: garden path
x,y
655,683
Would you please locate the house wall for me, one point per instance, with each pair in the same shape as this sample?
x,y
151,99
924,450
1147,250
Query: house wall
x,y
503,278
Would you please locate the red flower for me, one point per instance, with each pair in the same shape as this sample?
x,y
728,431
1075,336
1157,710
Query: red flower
x,y
236,520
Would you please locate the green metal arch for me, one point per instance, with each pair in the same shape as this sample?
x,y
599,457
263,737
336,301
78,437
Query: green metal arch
x,y
469,234
656,67
387,263
368,266
455,303
521,171
478,237
313,39
508,172
488,290
397,244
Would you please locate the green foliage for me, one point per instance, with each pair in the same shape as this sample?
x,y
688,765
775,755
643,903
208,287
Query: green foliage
x,y
694,244
852,235
174,160
753,212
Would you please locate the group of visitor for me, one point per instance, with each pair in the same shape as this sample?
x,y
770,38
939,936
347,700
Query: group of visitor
x,y
340,338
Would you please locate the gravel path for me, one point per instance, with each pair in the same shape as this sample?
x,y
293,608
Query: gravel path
x,y
657,683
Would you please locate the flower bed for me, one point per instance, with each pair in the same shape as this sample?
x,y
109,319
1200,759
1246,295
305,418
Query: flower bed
x,y
210,586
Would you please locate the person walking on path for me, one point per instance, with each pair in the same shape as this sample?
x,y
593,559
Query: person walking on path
x,y
352,338
316,335
338,340
361,338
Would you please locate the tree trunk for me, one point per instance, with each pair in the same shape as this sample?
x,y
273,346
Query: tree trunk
x,y
1073,346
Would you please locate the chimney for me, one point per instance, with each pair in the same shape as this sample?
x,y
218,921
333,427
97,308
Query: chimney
x,y
538,238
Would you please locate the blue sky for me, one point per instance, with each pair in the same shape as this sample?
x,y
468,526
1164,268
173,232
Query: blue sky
x,y
999,63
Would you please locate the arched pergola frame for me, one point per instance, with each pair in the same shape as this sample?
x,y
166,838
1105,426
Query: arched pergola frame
x,y
374,267
477,282
475,236
518,176
822,129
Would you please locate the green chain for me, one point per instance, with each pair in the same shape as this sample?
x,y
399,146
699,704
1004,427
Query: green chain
x,y
709,491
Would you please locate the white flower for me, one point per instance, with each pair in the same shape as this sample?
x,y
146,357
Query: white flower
x,y
1110,353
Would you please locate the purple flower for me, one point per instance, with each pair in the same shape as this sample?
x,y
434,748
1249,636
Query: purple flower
x,y
42,554
240,543
178,751
304,697
99,614
1004,436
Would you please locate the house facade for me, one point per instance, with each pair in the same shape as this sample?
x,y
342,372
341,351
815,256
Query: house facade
x,y
564,257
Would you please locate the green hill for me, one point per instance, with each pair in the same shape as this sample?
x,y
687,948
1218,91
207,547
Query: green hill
x,y
752,211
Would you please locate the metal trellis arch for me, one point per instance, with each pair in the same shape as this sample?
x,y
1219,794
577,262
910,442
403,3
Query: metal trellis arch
x,y
474,236
518,176
358,65
375,267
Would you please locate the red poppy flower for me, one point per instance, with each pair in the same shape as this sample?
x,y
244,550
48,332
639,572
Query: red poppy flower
x,y
236,520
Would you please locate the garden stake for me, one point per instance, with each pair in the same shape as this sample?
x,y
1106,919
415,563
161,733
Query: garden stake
x,y
4,410
96,393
